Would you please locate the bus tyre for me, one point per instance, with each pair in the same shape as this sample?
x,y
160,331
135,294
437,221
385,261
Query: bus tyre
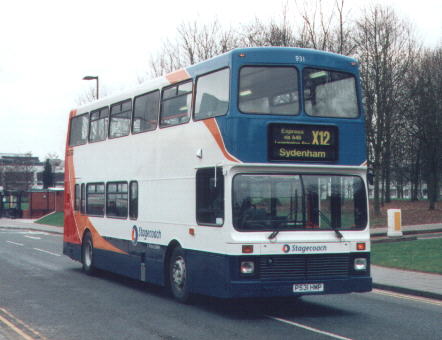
x,y
178,276
87,254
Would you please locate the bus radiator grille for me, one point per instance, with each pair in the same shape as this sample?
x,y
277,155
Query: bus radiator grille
x,y
304,267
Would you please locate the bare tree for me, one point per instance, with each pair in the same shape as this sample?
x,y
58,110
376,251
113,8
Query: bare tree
x,y
195,42
386,50
277,32
327,29
427,118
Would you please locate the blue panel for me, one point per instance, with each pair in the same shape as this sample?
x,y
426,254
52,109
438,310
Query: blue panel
x,y
72,250
218,275
127,265
245,135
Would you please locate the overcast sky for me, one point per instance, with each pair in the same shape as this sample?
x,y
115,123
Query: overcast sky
x,y
47,46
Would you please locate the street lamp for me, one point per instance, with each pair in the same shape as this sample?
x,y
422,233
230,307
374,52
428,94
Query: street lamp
x,y
93,78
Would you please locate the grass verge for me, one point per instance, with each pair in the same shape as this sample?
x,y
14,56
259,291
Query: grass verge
x,y
419,255
55,219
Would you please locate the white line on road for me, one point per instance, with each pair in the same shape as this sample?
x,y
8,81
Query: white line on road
x,y
292,323
15,243
47,252
33,237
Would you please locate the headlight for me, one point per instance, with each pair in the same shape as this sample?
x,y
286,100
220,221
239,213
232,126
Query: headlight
x,y
360,263
247,267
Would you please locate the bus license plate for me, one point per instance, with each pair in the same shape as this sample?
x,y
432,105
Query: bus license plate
x,y
308,287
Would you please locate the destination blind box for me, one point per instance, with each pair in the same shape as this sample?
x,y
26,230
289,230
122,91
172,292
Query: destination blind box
x,y
300,142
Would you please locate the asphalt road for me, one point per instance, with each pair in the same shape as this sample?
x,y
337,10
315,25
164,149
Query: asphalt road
x,y
45,295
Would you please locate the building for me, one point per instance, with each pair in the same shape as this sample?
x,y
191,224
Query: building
x,y
21,186
23,172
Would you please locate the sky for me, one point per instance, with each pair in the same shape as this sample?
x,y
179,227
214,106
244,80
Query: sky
x,y
48,46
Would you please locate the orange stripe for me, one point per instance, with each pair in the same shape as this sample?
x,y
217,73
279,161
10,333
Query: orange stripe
x,y
75,223
214,130
177,76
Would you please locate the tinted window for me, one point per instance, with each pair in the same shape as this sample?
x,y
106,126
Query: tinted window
x,y
175,104
268,90
77,197
83,199
120,119
99,124
95,199
146,109
79,130
330,93
212,94
209,196
116,199
133,200
288,202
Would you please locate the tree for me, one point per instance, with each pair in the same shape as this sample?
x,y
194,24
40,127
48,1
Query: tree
x,y
426,116
386,49
195,42
48,175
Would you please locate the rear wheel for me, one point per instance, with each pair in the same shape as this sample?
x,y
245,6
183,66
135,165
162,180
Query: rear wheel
x,y
178,276
87,254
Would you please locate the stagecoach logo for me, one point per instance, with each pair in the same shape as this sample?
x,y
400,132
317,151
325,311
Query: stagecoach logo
x,y
309,249
139,233
134,235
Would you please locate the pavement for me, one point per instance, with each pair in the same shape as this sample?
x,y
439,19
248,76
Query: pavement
x,y
402,281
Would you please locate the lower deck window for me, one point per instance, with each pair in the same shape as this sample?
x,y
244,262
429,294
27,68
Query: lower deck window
x,y
209,196
117,199
95,199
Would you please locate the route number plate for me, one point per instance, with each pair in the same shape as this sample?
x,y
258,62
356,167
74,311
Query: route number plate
x,y
308,287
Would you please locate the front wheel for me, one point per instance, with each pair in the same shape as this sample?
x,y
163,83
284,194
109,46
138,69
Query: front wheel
x,y
87,254
178,276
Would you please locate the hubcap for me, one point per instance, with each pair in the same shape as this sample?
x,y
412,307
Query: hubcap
x,y
179,272
88,255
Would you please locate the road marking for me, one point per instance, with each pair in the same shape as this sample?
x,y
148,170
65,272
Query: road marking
x,y
18,326
408,297
47,252
33,237
315,330
15,243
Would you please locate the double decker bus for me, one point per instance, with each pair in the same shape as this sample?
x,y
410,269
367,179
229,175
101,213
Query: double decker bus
x,y
241,176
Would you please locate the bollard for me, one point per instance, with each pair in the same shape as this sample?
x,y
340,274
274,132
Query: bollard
x,y
394,222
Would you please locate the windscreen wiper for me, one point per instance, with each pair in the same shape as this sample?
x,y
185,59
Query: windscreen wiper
x,y
327,220
273,234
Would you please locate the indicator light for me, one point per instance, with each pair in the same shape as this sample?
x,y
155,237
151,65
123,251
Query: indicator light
x,y
360,246
247,249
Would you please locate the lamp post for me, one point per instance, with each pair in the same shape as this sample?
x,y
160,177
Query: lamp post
x,y
93,78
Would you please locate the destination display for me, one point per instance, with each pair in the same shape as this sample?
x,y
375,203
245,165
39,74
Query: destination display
x,y
299,142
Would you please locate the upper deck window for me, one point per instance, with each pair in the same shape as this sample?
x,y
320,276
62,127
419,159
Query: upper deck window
x,y
212,94
120,119
330,93
268,90
146,109
175,104
79,130
99,123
